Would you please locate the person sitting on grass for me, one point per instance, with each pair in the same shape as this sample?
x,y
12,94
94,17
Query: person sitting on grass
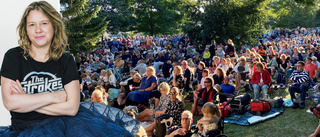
x,y
151,114
211,116
148,84
241,69
261,79
132,85
174,108
99,95
301,78
226,88
205,95
184,130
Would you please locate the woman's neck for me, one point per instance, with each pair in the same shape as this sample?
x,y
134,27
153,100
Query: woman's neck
x,y
39,54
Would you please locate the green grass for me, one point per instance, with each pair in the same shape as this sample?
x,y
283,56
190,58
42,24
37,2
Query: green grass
x,y
292,123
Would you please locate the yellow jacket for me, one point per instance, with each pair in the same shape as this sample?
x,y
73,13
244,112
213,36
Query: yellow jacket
x,y
206,55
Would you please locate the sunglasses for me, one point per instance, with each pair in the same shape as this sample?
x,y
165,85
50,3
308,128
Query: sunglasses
x,y
207,82
185,119
172,93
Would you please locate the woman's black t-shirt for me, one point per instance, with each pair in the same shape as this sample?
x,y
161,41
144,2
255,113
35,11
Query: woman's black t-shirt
x,y
38,77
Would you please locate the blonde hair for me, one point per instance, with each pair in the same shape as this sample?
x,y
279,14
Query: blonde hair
x,y
153,70
180,72
187,112
59,37
98,94
109,72
211,108
164,86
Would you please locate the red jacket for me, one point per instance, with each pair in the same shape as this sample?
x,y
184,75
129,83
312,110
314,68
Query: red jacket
x,y
255,79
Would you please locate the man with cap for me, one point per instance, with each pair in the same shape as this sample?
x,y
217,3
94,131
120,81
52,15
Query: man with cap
x,y
126,55
86,66
81,70
226,88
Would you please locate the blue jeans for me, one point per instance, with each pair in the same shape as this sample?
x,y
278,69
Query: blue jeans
x,y
256,90
300,88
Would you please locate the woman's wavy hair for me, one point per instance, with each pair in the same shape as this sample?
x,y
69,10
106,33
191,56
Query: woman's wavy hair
x,y
59,37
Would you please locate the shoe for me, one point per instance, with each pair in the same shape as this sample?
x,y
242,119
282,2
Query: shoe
x,y
295,105
302,105
309,111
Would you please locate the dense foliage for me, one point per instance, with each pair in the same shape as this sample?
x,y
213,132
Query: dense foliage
x,y
202,20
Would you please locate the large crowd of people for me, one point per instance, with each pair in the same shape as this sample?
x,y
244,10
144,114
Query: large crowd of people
x,y
198,71
157,74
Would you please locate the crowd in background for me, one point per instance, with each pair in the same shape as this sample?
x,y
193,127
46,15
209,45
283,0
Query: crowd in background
x,y
140,63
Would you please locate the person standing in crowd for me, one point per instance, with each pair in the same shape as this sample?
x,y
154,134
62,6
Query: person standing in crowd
x,y
300,77
231,50
212,49
186,74
199,70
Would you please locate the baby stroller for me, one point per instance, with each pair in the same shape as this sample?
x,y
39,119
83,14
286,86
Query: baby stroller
x,y
219,132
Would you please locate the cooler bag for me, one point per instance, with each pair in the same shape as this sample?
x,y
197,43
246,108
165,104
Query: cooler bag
x,y
259,107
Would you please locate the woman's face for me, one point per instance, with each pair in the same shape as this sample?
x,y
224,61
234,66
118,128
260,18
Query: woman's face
x,y
223,62
39,29
149,72
200,66
175,71
103,73
259,69
163,92
173,95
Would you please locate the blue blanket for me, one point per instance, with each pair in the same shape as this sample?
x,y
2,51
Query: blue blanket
x,y
249,119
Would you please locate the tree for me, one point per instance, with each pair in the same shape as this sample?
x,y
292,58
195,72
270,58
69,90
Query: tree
x,y
117,13
82,25
239,20
157,16
291,14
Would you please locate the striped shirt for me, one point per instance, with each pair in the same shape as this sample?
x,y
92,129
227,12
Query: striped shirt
x,y
299,77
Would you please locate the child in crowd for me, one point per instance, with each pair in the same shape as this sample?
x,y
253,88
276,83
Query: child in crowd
x,y
99,95
211,116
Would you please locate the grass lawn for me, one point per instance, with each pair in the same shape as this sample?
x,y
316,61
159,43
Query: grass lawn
x,y
292,123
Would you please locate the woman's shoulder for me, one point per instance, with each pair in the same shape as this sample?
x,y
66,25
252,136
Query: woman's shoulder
x,y
15,51
66,56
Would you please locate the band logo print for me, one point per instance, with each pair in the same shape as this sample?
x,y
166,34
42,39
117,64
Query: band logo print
x,y
41,82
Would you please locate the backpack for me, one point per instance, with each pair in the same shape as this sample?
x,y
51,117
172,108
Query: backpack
x,y
281,78
240,103
162,122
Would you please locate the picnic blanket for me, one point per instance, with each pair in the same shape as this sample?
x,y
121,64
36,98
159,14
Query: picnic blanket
x,y
250,119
